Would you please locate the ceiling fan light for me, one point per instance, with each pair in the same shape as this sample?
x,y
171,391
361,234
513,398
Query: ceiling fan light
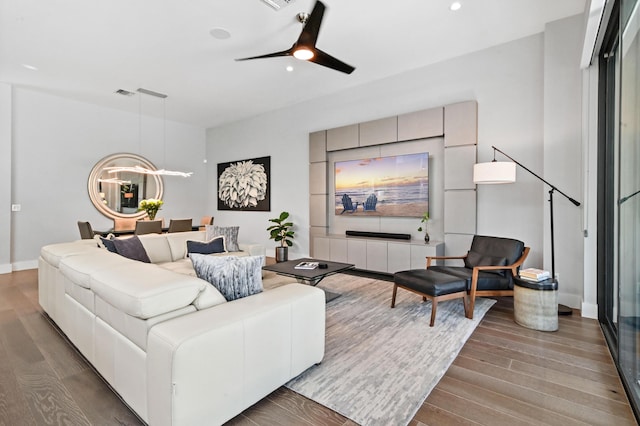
x,y
303,53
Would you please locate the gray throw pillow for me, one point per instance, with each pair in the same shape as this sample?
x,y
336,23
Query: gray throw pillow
x,y
230,234
216,245
235,277
132,248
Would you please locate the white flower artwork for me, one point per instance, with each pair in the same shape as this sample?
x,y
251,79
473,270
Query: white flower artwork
x,y
243,185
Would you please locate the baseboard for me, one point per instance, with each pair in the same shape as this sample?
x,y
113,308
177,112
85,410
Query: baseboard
x,y
24,265
590,310
570,300
5,269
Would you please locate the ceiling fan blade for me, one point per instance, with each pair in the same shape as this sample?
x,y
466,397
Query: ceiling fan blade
x,y
324,59
309,34
287,52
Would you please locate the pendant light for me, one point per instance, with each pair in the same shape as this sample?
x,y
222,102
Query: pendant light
x,y
138,168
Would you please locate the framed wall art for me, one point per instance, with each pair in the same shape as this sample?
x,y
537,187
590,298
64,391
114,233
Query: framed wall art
x,y
245,185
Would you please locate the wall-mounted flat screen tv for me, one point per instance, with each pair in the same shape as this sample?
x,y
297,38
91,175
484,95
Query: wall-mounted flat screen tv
x,y
383,186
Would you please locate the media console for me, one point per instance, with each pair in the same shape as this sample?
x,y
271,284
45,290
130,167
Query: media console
x,y
375,254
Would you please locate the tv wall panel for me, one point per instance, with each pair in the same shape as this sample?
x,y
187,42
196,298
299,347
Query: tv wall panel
x,y
421,124
458,167
318,146
343,137
318,178
318,210
461,124
379,131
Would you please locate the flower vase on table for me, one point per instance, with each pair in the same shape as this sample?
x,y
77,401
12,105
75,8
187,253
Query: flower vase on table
x,y
151,207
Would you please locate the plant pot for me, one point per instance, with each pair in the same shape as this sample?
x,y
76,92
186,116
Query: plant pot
x,y
282,254
426,238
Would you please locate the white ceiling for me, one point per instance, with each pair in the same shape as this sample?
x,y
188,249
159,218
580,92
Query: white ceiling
x,y
87,49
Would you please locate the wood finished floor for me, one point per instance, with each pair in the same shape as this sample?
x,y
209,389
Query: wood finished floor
x,y
504,375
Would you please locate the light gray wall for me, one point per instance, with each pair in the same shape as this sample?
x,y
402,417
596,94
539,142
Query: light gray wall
x,y
57,141
5,178
508,83
563,158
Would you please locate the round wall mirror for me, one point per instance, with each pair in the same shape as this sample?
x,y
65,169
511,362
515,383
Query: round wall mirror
x,y
117,193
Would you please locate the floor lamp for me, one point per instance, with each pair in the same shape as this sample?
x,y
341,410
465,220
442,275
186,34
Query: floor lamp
x,y
496,172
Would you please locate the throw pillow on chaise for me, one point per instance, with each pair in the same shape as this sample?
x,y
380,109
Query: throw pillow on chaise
x,y
230,234
233,276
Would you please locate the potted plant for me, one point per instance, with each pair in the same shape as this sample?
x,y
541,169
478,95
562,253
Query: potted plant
x,y
424,219
280,232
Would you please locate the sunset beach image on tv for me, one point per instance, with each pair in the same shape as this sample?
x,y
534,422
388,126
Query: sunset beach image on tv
x,y
383,186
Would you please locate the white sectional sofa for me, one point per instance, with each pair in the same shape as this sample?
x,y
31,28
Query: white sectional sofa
x,y
168,342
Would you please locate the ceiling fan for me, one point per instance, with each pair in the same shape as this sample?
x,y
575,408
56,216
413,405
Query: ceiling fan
x,y
305,47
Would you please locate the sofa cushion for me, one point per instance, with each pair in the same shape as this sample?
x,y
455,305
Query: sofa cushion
x,y
508,248
178,242
131,248
235,277
216,245
79,268
474,259
144,290
53,253
230,234
157,247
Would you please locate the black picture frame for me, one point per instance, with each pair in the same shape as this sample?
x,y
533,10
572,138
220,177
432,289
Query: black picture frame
x,y
249,196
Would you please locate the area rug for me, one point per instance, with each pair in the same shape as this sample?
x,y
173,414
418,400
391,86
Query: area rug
x,y
380,364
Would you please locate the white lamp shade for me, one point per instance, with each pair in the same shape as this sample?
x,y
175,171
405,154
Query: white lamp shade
x,y
494,172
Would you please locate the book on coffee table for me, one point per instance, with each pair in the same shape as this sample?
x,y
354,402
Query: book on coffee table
x,y
306,265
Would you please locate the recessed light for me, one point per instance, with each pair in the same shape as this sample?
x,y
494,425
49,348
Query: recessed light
x,y
456,5
289,68
220,33
30,67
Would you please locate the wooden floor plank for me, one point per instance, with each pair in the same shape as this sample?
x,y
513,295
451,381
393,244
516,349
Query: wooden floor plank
x,y
541,385
436,416
562,349
97,402
495,350
465,409
267,413
481,395
49,401
558,377
578,358
14,408
590,341
63,358
304,407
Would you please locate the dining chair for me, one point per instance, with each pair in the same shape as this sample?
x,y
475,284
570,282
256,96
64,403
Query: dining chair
x,y
86,232
148,227
206,220
124,224
180,225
